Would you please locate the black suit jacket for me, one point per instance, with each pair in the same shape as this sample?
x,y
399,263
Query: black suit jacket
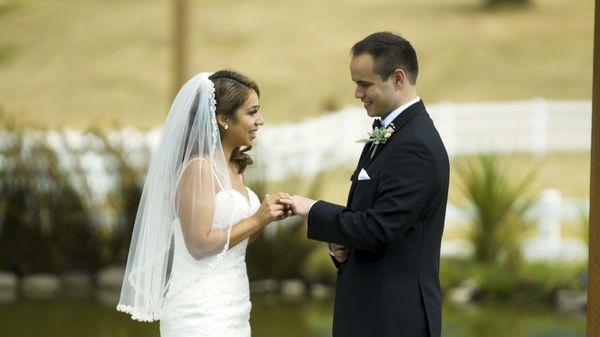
x,y
393,223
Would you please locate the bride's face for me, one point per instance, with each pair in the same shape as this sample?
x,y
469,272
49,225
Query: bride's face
x,y
243,130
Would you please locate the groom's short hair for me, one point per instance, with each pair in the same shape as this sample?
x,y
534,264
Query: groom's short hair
x,y
389,52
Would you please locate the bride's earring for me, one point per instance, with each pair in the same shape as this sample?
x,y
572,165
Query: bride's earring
x,y
226,127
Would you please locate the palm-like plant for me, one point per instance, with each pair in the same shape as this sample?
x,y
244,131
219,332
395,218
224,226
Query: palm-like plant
x,y
498,198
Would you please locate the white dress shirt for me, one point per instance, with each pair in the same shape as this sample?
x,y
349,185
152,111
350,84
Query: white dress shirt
x,y
392,115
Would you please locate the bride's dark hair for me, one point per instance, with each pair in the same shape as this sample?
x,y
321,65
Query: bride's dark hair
x,y
232,89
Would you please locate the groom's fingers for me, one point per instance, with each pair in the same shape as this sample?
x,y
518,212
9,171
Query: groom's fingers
x,y
286,201
277,196
340,252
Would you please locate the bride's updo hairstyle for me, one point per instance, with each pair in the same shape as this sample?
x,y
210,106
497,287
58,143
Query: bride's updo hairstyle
x,y
232,89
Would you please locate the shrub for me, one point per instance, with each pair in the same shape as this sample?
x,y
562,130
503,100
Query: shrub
x,y
44,224
507,3
124,199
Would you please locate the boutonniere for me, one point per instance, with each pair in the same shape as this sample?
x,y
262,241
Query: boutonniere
x,y
379,135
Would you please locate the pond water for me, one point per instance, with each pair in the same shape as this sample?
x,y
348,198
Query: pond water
x,y
273,316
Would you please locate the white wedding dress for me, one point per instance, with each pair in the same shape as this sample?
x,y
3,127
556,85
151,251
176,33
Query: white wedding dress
x,y
216,304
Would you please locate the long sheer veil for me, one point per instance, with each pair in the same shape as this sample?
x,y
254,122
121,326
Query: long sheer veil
x,y
187,172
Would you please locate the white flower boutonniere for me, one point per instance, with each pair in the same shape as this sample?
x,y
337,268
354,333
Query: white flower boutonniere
x,y
379,135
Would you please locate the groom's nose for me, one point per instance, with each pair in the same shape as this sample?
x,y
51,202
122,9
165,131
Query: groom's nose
x,y
358,93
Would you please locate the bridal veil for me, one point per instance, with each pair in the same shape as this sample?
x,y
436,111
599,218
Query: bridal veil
x,y
187,171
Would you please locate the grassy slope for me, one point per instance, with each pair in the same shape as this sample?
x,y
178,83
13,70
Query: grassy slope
x,y
77,63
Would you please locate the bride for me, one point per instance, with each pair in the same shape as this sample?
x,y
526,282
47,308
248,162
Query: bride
x,y
186,264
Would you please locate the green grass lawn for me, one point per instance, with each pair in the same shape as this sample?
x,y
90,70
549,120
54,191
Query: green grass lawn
x,y
108,62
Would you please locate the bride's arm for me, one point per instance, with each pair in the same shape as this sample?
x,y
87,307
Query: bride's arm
x,y
255,236
196,193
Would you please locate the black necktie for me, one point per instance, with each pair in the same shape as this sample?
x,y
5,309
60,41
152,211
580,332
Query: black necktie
x,y
376,123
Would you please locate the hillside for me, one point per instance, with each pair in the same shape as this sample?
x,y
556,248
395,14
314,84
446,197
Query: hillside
x,y
108,62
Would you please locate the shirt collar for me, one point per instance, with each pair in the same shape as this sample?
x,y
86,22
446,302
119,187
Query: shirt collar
x,y
392,115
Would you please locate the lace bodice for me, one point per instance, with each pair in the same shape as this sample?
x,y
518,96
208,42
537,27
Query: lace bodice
x,y
210,297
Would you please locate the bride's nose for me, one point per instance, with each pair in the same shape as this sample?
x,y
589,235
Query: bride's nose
x,y
259,120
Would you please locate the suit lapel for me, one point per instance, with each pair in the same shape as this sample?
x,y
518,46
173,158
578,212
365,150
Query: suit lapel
x,y
365,157
399,122
354,177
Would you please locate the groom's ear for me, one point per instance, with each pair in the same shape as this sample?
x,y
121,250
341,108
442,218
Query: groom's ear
x,y
399,78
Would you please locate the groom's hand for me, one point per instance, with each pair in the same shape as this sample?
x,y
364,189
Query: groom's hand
x,y
340,252
299,205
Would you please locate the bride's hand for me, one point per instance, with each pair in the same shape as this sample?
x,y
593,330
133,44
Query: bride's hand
x,y
271,209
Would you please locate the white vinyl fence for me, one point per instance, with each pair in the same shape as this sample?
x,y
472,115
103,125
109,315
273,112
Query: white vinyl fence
x,y
536,126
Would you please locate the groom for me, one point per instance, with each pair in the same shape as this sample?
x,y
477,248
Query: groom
x,y
386,241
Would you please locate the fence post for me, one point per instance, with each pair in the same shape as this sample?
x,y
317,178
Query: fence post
x,y
539,127
549,226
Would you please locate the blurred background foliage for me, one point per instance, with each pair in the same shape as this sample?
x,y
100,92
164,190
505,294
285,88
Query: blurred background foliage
x,y
123,200
45,223
49,222
283,252
495,4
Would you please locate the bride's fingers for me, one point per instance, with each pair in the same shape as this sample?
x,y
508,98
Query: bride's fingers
x,y
277,208
273,201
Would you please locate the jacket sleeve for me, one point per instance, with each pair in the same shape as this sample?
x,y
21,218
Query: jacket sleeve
x,y
402,193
